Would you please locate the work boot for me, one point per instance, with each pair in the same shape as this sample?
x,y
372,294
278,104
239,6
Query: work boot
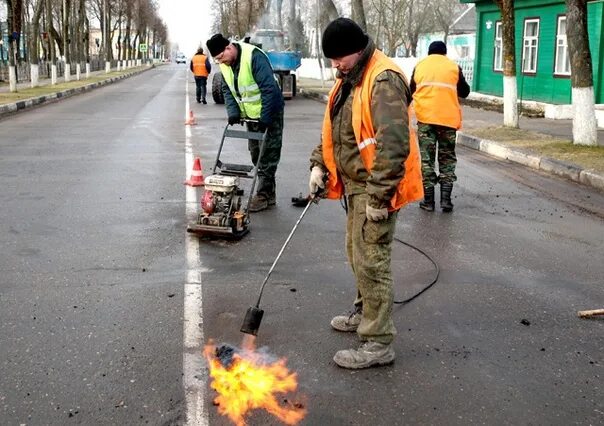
x,y
428,203
258,203
347,322
368,355
271,199
445,197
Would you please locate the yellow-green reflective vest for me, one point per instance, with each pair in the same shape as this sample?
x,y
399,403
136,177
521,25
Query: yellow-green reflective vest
x,y
248,98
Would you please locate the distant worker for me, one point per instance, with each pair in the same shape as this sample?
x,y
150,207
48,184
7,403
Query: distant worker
x,y
436,84
251,92
369,157
201,68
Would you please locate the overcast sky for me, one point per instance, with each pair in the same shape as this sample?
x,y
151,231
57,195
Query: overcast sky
x,y
188,22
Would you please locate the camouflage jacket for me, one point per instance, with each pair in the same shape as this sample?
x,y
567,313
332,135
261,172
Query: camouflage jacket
x,y
389,105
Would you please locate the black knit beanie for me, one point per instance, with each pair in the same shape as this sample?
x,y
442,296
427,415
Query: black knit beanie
x,y
343,37
217,44
437,47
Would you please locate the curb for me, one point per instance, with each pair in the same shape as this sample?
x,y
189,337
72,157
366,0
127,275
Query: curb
x,y
314,95
25,104
569,171
556,167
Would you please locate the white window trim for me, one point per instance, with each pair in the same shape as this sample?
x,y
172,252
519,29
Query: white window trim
x,y
561,41
527,44
498,57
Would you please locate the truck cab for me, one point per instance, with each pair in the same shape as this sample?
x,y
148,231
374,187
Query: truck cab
x,y
284,62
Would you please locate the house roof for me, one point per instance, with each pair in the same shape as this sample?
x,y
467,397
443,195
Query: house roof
x,y
465,22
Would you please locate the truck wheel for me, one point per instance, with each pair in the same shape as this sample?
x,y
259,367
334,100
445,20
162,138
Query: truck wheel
x,y
294,86
217,94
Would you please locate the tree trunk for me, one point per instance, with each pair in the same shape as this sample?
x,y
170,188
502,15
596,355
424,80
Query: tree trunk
x,y
330,9
51,43
291,25
35,54
279,17
12,49
584,118
510,86
358,14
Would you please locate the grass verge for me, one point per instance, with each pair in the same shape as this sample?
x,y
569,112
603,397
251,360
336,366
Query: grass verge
x,y
588,157
22,94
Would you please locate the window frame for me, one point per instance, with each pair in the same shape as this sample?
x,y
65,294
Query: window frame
x,y
498,24
530,71
557,73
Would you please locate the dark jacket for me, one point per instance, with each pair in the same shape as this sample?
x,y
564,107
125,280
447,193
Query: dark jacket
x,y
270,92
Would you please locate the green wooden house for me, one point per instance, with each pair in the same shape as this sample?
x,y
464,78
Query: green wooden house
x,y
542,66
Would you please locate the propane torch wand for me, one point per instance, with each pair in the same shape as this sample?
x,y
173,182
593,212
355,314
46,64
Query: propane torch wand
x,y
253,316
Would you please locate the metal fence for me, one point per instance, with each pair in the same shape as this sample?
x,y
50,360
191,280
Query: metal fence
x,y
467,67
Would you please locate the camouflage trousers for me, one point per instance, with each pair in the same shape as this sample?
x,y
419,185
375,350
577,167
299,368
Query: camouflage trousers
x,y
369,250
271,154
433,137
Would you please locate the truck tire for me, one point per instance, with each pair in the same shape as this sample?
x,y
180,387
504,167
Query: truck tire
x,y
217,94
294,85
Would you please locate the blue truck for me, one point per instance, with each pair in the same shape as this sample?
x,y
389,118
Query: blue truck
x,y
285,62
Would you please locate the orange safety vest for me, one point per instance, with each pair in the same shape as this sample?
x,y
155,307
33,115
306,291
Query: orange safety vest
x,y
435,98
199,66
410,188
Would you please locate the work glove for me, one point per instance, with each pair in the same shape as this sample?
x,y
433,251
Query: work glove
x,y
316,180
234,119
376,215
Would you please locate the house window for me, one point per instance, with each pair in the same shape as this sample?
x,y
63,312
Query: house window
x,y
530,43
498,55
562,59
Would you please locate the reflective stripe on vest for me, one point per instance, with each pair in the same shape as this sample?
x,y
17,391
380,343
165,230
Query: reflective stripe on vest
x,y
435,98
199,66
410,188
248,98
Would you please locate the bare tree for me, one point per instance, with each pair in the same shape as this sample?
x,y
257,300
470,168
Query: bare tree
x,y
584,118
358,14
510,85
329,9
14,8
391,17
419,19
35,36
445,14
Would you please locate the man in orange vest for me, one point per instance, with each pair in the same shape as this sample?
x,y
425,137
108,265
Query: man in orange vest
x,y
201,68
436,84
369,156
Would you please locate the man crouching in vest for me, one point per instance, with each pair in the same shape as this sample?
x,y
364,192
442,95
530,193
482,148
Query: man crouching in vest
x,y
370,158
250,91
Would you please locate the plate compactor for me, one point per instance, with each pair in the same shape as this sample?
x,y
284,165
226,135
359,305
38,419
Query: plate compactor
x,y
224,208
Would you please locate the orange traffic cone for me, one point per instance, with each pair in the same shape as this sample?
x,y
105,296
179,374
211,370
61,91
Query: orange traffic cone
x,y
191,120
196,175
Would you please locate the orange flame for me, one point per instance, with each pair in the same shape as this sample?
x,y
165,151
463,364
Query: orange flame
x,y
251,382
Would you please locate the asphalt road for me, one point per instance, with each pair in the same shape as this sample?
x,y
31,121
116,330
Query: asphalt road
x,y
92,232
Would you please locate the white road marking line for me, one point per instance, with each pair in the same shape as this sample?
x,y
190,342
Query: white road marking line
x,y
194,365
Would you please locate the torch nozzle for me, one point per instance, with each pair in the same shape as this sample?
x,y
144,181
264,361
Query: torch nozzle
x,y
252,320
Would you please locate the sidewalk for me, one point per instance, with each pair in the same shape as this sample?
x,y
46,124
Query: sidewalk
x,y
27,97
539,143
